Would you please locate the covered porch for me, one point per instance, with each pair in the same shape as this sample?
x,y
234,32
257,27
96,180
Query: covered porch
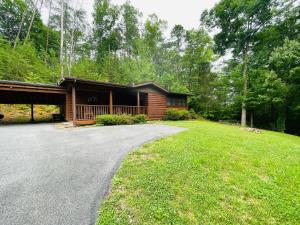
x,y
86,100
87,109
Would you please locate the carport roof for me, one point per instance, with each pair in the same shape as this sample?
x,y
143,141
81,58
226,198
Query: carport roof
x,y
16,92
28,84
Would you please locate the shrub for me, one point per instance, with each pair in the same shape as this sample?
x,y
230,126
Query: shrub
x,y
175,114
108,120
180,114
172,114
123,119
184,115
193,114
141,118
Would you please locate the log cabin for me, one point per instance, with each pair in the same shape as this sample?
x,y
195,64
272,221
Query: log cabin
x,y
81,100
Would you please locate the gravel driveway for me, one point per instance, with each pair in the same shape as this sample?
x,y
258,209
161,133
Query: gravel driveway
x,y
59,176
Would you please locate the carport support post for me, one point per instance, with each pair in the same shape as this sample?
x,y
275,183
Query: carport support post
x,y
138,102
110,102
32,116
74,105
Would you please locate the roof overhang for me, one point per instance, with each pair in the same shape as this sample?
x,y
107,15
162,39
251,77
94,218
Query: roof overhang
x,y
15,92
153,84
30,87
73,80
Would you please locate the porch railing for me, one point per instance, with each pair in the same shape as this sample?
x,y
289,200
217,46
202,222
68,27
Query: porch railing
x,y
89,112
130,110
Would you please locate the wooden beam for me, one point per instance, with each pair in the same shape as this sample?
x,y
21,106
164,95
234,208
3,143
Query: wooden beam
x,y
110,102
138,102
74,105
10,87
32,116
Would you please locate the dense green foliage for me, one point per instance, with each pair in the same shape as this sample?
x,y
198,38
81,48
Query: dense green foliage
x,y
209,174
124,119
262,77
179,114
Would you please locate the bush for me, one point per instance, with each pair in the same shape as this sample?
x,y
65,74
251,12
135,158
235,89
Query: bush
x,y
172,114
180,114
193,114
123,119
184,115
141,118
175,114
108,120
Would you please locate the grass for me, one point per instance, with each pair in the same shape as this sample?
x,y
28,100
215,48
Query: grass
x,y
209,174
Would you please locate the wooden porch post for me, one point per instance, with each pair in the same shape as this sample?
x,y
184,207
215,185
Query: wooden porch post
x,y
110,102
138,102
32,116
74,105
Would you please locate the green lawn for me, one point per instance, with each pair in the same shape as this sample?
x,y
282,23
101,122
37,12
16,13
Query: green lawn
x,y
209,174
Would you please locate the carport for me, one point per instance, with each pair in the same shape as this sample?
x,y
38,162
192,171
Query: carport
x,y
15,92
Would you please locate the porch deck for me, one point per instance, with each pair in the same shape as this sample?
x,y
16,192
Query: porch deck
x,y
89,112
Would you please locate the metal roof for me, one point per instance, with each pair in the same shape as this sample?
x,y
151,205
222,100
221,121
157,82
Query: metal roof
x,y
12,82
93,82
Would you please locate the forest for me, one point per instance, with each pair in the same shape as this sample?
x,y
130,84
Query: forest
x,y
257,85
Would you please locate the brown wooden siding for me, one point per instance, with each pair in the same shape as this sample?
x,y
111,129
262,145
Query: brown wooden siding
x,y
69,110
157,102
157,105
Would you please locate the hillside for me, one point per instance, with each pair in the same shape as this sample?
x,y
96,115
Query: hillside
x,y
210,174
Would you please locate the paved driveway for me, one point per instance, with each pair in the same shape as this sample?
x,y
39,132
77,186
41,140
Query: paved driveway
x,y
59,176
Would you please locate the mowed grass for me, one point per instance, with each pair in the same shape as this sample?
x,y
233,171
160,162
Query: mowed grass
x,y
209,174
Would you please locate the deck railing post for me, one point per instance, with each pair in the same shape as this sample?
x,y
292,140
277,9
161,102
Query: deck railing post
x,y
32,116
110,102
74,105
138,103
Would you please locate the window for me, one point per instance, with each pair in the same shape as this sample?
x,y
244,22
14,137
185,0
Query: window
x,y
92,99
179,101
169,101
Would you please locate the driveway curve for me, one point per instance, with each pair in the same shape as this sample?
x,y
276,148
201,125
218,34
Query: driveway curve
x,y
56,176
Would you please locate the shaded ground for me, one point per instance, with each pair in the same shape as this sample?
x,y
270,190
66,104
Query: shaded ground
x,y
17,114
57,176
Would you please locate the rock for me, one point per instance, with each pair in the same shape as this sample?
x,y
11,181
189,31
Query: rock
x,y
250,129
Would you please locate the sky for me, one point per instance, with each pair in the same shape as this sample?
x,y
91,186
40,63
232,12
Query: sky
x,y
184,12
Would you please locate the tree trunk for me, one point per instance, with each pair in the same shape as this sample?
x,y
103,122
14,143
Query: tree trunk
x,y
251,119
48,24
20,28
62,40
245,87
109,69
31,21
71,53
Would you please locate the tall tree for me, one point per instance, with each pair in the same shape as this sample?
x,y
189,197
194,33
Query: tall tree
x,y
239,23
178,37
106,29
35,5
48,25
62,3
130,29
24,12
